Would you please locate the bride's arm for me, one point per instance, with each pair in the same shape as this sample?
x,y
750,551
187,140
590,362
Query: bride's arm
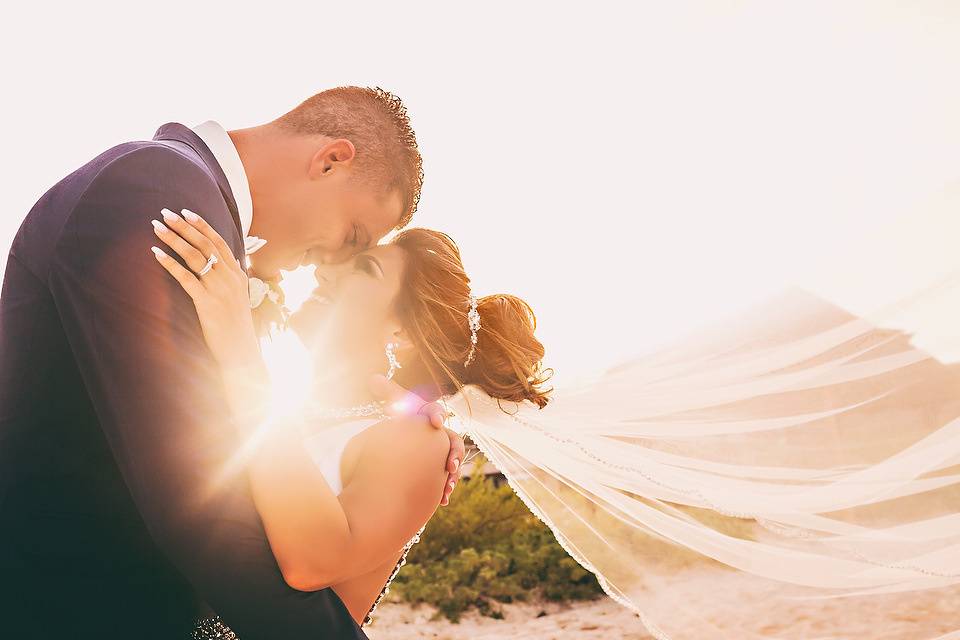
x,y
315,537
395,489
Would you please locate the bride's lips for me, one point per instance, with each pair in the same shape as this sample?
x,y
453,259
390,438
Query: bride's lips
x,y
320,297
317,308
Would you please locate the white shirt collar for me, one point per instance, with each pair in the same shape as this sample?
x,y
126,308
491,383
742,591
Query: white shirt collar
x,y
223,149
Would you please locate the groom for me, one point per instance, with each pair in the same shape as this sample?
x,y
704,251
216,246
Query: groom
x,y
114,518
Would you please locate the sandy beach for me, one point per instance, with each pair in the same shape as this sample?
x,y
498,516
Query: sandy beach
x,y
705,599
548,621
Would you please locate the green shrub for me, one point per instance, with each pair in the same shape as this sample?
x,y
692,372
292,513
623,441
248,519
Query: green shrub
x,y
486,548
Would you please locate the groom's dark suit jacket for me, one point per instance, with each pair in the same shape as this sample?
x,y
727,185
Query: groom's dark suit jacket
x,y
116,516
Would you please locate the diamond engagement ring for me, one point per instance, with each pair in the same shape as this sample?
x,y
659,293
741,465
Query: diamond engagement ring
x,y
207,267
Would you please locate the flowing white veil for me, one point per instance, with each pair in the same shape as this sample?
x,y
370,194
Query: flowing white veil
x,y
794,474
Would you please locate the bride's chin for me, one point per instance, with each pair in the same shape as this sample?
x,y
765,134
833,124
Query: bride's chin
x,y
324,344
308,321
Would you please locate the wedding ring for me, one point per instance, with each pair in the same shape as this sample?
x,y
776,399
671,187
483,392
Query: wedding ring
x,y
207,267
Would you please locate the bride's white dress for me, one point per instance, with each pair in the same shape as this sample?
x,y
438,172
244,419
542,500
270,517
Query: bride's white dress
x,y
326,448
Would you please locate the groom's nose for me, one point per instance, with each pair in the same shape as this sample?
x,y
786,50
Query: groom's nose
x,y
323,257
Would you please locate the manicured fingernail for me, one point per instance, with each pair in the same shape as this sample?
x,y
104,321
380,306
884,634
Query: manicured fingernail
x,y
453,485
159,226
158,252
456,463
190,215
169,216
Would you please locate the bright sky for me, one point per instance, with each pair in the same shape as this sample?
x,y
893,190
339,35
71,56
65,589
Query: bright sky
x,y
632,172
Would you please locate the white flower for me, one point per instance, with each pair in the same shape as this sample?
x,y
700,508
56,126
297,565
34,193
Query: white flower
x,y
258,291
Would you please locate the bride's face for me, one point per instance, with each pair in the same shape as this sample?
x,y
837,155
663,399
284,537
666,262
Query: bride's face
x,y
350,317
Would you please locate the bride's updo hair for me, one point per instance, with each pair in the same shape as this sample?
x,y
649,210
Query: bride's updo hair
x,y
433,304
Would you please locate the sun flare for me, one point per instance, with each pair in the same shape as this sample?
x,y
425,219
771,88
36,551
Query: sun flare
x,y
291,374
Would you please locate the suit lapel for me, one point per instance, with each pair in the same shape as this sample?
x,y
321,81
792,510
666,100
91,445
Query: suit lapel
x,y
175,132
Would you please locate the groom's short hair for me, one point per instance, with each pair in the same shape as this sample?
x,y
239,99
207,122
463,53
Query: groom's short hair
x,y
377,124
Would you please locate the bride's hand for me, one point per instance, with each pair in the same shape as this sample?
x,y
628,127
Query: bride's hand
x,y
221,295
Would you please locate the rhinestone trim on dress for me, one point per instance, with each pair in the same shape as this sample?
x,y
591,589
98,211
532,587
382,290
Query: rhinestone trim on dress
x,y
386,587
212,629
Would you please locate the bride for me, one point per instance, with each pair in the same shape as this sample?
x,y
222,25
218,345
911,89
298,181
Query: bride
x,y
344,515
795,476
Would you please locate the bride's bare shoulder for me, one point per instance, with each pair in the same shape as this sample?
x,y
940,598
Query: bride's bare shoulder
x,y
408,451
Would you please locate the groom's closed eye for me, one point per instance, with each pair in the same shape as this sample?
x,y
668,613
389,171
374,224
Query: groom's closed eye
x,y
360,238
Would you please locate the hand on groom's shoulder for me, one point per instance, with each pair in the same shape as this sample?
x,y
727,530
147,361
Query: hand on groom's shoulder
x,y
106,239
139,180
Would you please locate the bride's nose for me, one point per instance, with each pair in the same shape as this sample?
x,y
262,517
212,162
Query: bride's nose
x,y
322,276
327,274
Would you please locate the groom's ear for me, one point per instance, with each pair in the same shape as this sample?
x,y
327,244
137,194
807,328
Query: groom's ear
x,y
333,155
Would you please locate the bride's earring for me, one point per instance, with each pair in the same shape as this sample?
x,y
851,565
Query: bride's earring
x,y
391,351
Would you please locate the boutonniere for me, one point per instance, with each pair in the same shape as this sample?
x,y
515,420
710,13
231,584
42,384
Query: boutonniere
x,y
266,296
266,301
264,290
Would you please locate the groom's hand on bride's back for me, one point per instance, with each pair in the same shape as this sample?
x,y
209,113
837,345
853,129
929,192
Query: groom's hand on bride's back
x,y
399,401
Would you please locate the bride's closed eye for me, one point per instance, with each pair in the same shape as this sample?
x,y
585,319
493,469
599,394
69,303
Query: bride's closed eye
x,y
369,265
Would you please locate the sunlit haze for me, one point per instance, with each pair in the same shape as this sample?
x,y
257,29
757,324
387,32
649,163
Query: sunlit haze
x,y
633,174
